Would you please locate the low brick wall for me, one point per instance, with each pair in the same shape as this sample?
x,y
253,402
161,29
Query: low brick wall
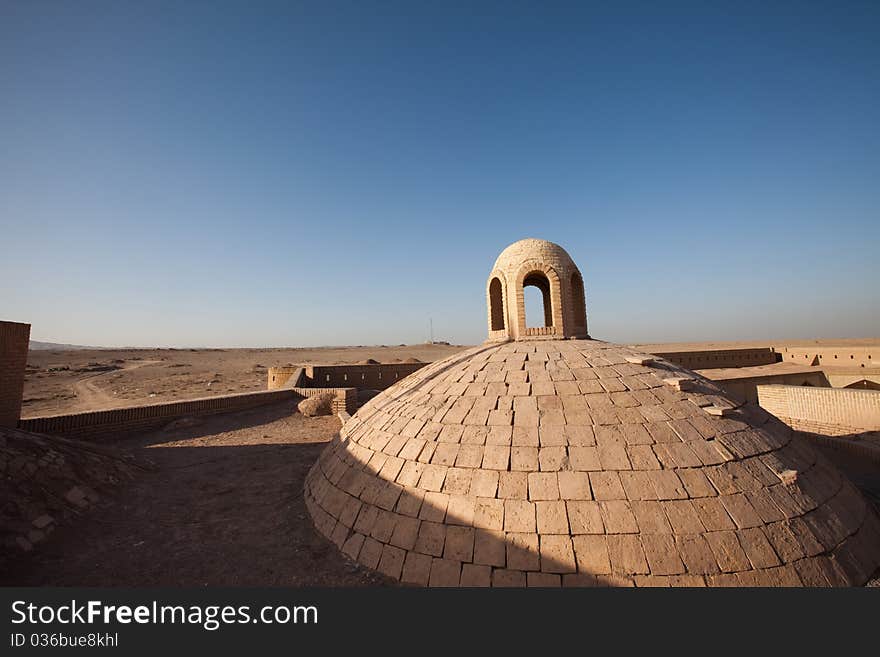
x,y
363,377
95,425
721,358
344,401
294,378
828,411
745,389
284,377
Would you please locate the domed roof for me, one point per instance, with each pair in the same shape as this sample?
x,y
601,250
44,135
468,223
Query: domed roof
x,y
511,258
580,462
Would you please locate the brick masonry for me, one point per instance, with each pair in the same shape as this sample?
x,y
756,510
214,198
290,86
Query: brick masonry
x,y
14,340
361,377
547,266
719,358
836,356
828,411
98,425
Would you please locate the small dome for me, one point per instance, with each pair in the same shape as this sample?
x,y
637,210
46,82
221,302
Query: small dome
x,y
513,257
547,267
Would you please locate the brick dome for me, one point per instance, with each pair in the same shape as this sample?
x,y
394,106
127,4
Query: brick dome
x,y
580,462
548,267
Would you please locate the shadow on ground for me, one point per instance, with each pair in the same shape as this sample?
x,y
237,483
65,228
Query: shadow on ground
x,y
224,507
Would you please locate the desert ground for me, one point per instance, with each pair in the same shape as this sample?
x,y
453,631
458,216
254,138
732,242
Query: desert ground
x,y
220,504
71,381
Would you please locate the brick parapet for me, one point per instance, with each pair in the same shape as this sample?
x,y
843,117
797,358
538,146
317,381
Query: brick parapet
x,y
97,425
829,411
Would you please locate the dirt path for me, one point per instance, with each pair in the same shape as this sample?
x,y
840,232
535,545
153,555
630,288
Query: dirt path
x,y
224,507
89,394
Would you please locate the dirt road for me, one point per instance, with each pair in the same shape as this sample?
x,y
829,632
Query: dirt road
x,y
92,396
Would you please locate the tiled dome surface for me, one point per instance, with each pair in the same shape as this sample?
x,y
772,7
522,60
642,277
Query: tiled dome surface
x,y
561,462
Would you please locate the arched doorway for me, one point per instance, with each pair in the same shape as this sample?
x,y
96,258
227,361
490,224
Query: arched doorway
x,y
539,280
496,306
578,305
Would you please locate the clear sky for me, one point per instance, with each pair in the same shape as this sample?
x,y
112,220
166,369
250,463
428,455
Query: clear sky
x,y
283,174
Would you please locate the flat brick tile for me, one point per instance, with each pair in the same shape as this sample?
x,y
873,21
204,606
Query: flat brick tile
x,y
391,562
696,554
445,572
585,517
592,554
489,513
627,555
508,578
606,486
557,555
431,539
727,550
473,575
574,485
416,569
490,548
519,516
543,580
459,544
522,551
618,517
543,486
552,517
662,554
513,485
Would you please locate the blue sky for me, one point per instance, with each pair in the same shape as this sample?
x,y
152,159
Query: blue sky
x,y
271,174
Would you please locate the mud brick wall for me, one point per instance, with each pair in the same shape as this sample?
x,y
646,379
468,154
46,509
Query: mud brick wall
x,y
361,377
714,358
828,411
746,389
285,377
835,356
98,425
344,401
14,340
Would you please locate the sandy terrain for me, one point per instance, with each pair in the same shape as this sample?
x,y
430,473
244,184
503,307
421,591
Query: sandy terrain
x,y
90,379
86,380
223,506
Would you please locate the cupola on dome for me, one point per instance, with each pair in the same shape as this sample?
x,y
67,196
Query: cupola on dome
x,y
549,268
546,458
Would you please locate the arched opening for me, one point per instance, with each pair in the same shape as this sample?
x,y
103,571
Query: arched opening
x,y
538,312
578,307
496,309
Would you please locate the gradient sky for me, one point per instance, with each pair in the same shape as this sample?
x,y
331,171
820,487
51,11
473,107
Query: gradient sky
x,y
285,174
